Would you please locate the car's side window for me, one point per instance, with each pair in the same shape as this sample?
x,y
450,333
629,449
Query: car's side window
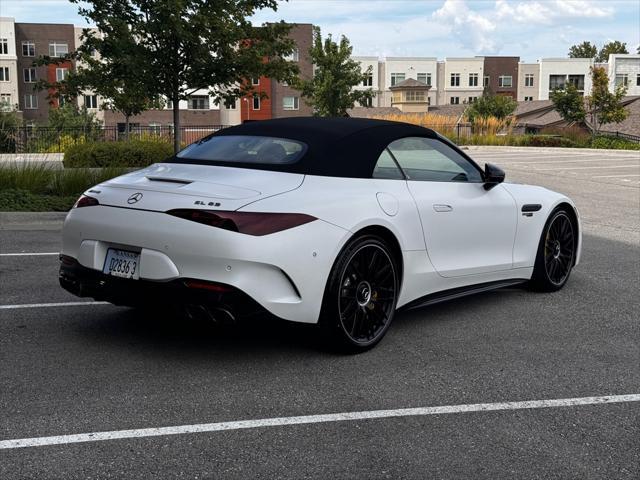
x,y
386,167
428,159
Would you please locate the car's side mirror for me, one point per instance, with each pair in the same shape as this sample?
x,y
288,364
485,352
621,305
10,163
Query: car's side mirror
x,y
492,176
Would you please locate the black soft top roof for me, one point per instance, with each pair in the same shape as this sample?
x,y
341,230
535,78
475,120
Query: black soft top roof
x,y
336,147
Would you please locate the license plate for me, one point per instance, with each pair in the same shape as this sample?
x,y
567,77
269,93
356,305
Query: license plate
x,y
123,264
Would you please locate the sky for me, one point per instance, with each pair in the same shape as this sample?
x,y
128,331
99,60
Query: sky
x,y
530,29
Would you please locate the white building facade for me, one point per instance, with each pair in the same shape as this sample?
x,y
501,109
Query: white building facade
x,y
558,72
625,69
463,80
9,97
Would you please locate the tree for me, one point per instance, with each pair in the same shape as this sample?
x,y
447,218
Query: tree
x,y
330,91
605,107
569,103
186,45
490,105
583,50
69,116
610,48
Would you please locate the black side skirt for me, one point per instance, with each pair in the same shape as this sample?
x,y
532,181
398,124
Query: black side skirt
x,y
454,293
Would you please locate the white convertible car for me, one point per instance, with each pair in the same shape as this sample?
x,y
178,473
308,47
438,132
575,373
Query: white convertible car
x,y
335,221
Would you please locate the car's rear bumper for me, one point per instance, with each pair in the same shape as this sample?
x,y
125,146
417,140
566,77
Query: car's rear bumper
x,y
285,272
209,300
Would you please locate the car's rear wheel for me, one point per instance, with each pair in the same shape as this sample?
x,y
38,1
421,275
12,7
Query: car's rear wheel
x,y
556,253
361,295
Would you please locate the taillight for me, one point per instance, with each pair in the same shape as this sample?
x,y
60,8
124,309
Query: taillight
x,y
250,223
86,201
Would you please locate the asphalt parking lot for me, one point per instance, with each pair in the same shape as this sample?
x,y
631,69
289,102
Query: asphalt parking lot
x,y
86,369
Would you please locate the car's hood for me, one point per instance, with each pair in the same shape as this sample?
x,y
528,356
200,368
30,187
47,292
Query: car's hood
x,y
166,186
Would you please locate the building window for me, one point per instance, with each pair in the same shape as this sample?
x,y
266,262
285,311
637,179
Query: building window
x,y
577,81
155,128
397,78
256,102
455,100
622,79
485,81
528,79
290,103
29,75
91,101
4,74
4,46
5,102
505,81
368,81
428,100
368,102
199,102
412,96
293,56
28,49
30,101
230,104
396,97
557,81
61,74
528,99
424,78
58,49
455,80
255,81
473,79
638,80
472,99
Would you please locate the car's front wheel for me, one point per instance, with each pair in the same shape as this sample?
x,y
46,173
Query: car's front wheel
x,y
556,253
361,294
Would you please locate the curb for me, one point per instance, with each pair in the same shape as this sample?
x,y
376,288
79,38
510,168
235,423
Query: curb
x,y
31,220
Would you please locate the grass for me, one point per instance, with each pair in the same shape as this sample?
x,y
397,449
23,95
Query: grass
x,y
41,187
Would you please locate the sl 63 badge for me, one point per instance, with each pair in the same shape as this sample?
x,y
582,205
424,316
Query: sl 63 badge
x,y
208,204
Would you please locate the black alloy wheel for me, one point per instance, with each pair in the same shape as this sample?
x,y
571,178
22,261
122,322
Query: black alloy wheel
x,y
556,254
363,288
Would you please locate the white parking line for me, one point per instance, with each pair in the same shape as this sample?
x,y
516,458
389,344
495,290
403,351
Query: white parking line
x,y
306,419
586,168
616,176
31,254
47,305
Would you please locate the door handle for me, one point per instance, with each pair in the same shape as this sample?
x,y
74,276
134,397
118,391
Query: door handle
x,y
442,208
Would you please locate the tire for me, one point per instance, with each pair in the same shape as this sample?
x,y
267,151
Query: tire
x,y
361,295
556,253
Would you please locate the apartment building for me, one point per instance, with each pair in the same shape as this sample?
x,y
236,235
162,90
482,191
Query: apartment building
x,y
625,69
279,99
398,69
463,80
374,79
8,65
501,75
528,82
88,99
558,72
32,41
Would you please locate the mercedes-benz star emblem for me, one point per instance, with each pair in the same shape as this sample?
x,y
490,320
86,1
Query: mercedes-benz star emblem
x,y
135,198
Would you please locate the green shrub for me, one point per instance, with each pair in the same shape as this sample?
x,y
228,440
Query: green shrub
x,y
16,200
133,153
614,143
74,181
33,177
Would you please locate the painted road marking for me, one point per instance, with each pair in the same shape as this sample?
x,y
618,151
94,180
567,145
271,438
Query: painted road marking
x,y
46,305
306,419
34,254
617,176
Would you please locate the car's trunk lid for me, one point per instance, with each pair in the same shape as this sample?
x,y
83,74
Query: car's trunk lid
x,y
165,186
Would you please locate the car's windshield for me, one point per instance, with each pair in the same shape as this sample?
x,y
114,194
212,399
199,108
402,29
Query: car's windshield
x,y
244,149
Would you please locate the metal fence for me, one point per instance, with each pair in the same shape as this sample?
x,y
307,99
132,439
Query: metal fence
x,y
625,136
54,140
